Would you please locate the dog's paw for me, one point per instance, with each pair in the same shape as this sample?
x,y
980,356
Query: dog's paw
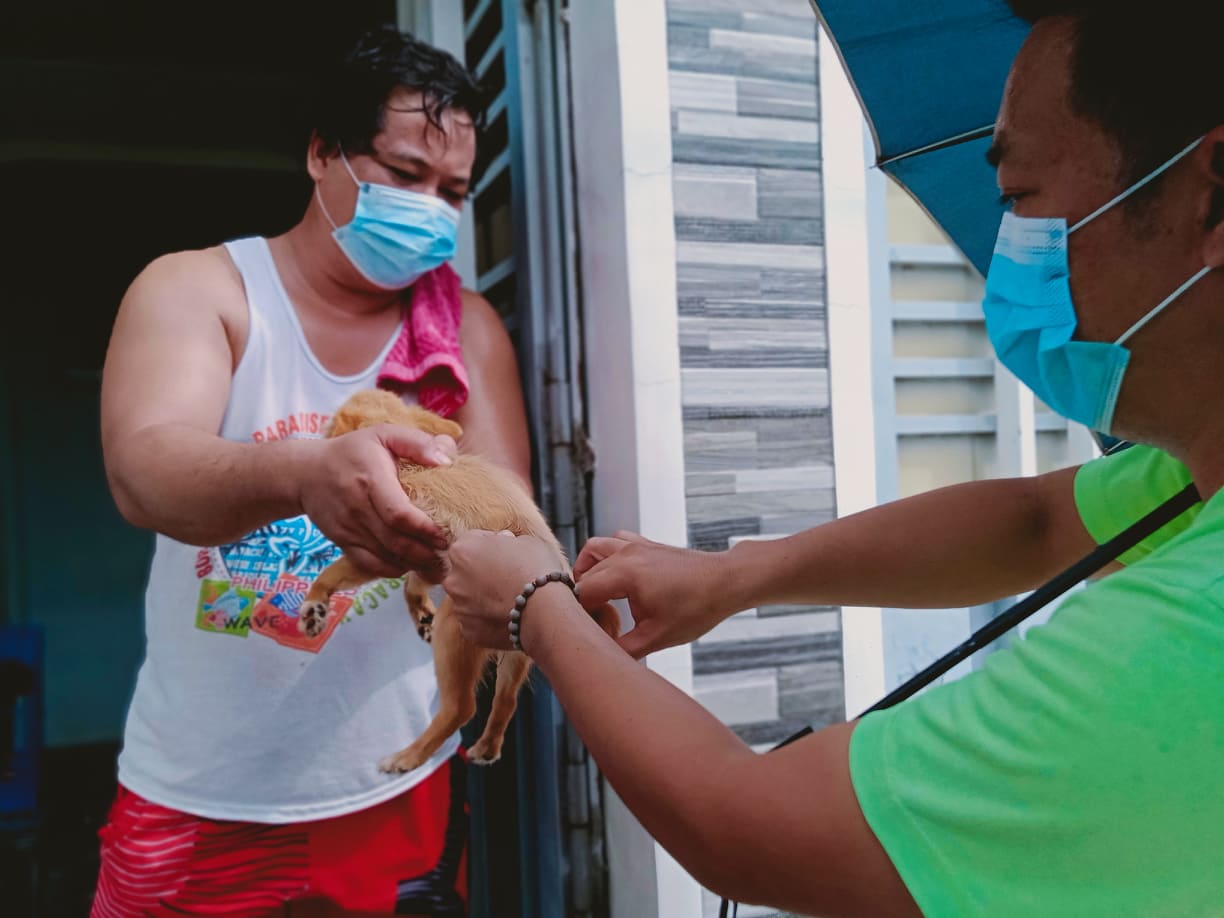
x,y
485,751
402,762
425,627
312,618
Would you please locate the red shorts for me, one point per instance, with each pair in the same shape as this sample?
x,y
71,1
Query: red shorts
x,y
406,856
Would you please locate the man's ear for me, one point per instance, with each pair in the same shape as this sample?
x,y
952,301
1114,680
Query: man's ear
x,y
1213,164
317,156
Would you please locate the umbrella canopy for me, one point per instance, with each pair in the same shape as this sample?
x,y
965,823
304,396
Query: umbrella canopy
x,y
929,75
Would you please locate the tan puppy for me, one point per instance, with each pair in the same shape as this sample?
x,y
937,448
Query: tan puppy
x,y
471,493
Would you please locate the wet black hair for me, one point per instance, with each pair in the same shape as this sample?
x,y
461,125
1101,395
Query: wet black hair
x,y
350,94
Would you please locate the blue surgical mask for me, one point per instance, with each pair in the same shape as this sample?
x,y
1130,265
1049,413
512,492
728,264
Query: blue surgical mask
x,y
395,235
1031,320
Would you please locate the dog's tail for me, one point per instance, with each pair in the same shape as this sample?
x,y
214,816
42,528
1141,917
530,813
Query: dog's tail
x,y
608,619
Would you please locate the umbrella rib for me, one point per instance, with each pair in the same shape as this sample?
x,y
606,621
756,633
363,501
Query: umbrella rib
x,y
975,134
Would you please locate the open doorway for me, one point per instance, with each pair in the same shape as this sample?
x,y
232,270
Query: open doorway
x,y
72,565
131,130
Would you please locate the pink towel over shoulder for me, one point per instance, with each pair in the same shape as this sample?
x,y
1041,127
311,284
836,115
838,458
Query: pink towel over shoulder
x,y
427,354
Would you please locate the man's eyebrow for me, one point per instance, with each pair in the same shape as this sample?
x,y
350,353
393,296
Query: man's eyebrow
x,y
418,162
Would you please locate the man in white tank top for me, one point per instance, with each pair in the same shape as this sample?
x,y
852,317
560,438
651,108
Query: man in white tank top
x,y
248,771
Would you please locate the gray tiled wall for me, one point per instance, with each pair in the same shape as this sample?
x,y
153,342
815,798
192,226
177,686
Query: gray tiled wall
x,y
753,338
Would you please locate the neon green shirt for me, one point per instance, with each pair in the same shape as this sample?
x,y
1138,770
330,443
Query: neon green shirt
x,y
1115,491
1078,773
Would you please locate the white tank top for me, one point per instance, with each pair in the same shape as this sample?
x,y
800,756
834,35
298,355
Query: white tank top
x,y
236,714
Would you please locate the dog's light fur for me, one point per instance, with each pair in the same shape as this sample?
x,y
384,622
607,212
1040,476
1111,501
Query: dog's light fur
x,y
470,493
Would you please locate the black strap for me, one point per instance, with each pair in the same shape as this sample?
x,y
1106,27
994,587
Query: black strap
x,y
1172,508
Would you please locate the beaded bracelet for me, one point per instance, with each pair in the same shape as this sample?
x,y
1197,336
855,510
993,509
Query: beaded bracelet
x,y
520,601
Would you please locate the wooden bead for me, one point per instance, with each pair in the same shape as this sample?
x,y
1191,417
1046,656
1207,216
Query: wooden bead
x,y
520,601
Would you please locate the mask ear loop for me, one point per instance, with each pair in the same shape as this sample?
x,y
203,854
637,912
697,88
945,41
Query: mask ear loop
x,y
357,181
1151,176
319,196
323,207
1139,184
1167,300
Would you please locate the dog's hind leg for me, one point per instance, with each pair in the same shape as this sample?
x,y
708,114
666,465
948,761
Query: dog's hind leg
x,y
457,665
607,618
512,671
339,575
420,605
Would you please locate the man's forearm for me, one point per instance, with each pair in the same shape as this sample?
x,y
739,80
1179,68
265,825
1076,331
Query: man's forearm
x,y
785,831
951,547
200,489
666,756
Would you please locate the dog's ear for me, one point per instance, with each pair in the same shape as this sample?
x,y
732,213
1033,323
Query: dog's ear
x,y
343,421
378,406
448,428
435,424
364,409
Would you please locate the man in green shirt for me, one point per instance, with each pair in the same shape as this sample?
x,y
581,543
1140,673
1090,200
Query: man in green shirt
x,y
1076,773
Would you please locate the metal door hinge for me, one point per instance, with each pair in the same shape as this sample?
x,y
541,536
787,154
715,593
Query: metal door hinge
x,y
582,450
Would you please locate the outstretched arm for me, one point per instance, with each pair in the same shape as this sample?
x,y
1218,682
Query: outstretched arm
x,y
955,546
782,829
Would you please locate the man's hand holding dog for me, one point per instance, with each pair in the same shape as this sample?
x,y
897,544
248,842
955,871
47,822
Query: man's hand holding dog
x,y
349,486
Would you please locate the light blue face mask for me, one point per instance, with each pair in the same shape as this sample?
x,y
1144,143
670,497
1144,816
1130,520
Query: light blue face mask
x,y
395,235
1031,320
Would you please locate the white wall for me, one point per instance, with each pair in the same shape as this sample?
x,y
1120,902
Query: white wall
x,y
622,152
857,281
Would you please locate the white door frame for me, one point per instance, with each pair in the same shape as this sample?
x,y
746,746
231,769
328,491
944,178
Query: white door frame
x,y
857,291
623,171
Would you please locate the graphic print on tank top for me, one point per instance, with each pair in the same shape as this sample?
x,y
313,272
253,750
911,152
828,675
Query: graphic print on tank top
x,y
257,584
254,587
